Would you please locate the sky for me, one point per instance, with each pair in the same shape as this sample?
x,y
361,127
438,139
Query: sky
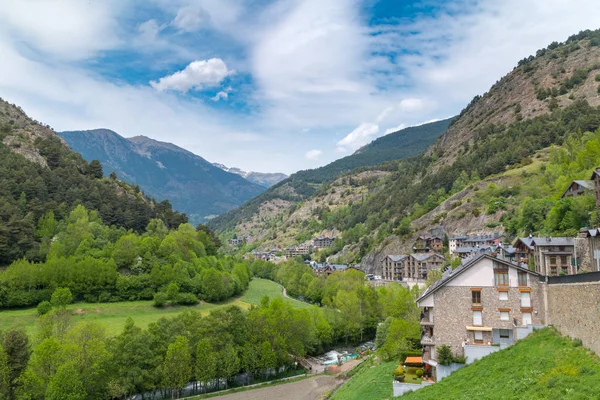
x,y
267,85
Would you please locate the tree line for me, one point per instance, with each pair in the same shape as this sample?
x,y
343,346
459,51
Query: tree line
x,y
101,263
64,360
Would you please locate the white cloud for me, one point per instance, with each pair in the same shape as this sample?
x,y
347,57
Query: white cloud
x,y
360,136
411,105
191,18
196,75
395,129
69,30
221,95
149,30
313,154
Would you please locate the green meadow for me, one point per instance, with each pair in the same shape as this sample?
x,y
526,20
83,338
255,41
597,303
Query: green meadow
x,y
113,315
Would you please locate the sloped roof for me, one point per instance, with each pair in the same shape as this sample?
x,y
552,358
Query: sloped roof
x,y
396,257
553,241
527,241
463,267
587,184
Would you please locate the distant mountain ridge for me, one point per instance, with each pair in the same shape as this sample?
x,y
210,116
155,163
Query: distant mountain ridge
x,y
165,171
266,179
302,185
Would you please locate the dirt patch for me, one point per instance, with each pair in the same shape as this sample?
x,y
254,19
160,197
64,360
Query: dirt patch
x,y
78,311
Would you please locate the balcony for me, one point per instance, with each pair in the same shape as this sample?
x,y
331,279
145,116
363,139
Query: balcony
x,y
428,340
426,322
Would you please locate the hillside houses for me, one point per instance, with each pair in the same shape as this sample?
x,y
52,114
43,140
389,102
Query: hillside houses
x,y
323,242
425,244
578,188
411,266
463,246
550,256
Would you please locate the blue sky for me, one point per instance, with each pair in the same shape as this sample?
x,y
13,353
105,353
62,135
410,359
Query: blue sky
x,y
266,85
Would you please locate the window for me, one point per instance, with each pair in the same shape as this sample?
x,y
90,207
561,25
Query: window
x,y
478,337
553,270
500,274
504,316
502,295
522,278
563,260
526,318
476,296
477,318
525,299
552,260
504,334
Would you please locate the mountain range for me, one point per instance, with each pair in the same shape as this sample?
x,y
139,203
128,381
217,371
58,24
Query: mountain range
x,y
376,210
165,171
266,179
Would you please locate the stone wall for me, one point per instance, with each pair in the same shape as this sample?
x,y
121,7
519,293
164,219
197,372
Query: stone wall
x,y
574,309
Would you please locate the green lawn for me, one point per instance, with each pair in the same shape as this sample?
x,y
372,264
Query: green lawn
x,y
372,382
114,315
543,366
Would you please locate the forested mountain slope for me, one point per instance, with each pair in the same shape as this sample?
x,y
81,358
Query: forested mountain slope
x,y
39,174
165,171
545,100
303,185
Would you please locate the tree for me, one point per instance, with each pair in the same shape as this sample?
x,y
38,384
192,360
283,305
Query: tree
x,y
42,367
16,346
66,384
177,367
444,355
61,298
4,375
229,363
206,362
44,307
433,276
94,169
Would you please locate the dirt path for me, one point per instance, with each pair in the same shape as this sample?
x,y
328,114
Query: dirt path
x,y
306,389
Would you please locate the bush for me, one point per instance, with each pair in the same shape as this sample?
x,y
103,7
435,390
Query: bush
x,y
419,373
444,354
597,78
188,299
160,299
61,297
44,307
577,343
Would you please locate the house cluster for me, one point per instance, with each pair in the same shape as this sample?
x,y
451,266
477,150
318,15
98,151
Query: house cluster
x,y
270,255
427,255
463,246
328,269
305,249
481,306
241,241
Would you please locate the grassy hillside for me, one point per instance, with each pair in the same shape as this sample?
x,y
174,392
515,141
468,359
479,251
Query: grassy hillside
x,y
371,381
112,316
543,366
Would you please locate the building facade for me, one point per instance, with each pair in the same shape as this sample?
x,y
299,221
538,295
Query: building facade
x,y
411,266
481,303
323,242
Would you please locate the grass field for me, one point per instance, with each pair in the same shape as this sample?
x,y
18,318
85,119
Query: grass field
x,y
113,315
372,381
543,366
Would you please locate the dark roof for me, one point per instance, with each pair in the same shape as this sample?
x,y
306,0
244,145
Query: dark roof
x,y
463,267
527,241
595,173
553,241
396,258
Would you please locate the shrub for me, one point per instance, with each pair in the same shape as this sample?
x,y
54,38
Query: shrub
x,y
188,299
444,354
419,373
597,78
399,374
44,307
160,299
61,297
576,342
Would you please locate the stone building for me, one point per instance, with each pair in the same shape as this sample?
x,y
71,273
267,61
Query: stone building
x,y
323,242
554,255
481,303
578,188
411,266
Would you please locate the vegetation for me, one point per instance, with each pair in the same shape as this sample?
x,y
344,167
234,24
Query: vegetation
x,y
113,316
371,382
30,191
98,263
543,366
303,184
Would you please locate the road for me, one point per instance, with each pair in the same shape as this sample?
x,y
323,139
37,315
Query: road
x,y
306,389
